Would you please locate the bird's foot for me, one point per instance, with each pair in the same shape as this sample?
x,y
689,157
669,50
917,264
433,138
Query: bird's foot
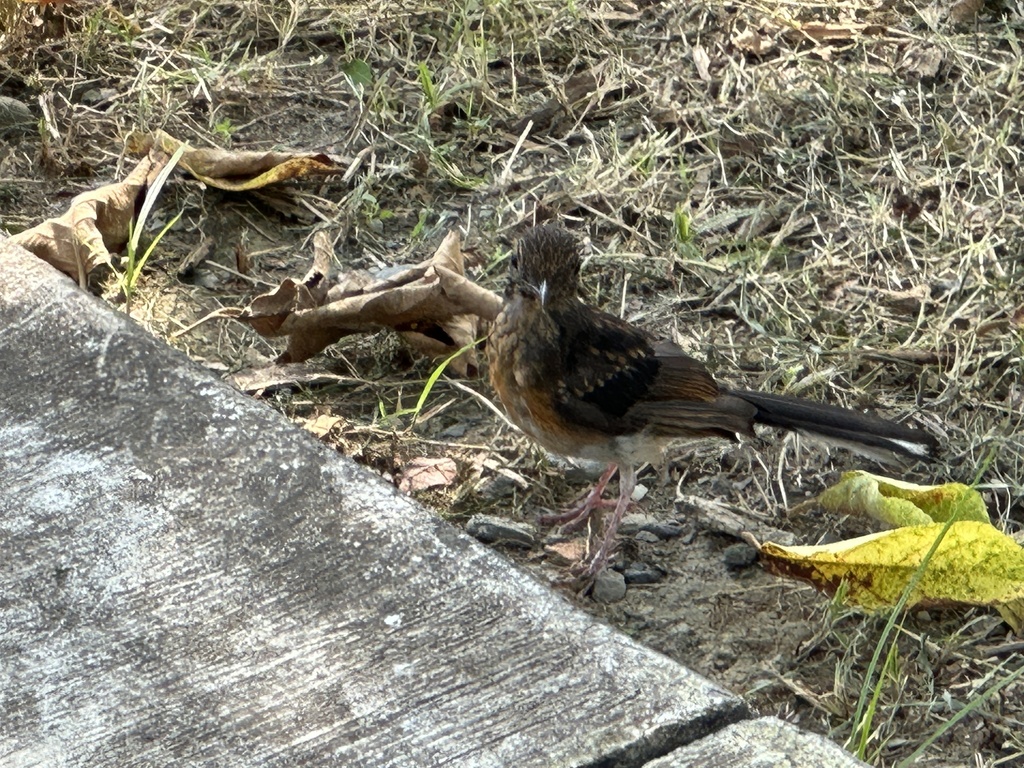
x,y
577,515
609,539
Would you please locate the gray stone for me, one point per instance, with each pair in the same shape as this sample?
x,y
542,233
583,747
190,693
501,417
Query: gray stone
x,y
737,556
642,573
498,487
640,521
763,743
15,116
609,587
634,522
647,537
189,579
665,530
492,529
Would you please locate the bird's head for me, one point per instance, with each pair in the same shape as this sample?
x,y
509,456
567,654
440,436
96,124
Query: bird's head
x,y
545,266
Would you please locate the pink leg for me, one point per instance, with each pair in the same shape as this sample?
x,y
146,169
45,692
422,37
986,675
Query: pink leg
x,y
627,482
577,515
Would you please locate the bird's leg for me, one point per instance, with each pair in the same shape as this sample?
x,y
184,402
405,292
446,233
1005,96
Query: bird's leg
x,y
627,482
577,514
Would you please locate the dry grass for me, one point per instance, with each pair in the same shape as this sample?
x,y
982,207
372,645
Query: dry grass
x,y
840,218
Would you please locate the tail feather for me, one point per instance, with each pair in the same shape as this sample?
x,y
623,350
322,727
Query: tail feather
x,y
842,425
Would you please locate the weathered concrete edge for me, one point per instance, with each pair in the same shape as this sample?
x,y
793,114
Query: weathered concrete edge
x,y
766,742
662,739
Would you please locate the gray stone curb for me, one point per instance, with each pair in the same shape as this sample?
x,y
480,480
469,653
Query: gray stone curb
x,y
188,579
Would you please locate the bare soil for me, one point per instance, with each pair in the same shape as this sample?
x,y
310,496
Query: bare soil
x,y
823,200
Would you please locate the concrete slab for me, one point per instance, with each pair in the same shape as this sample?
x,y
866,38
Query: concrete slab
x,y
763,743
186,578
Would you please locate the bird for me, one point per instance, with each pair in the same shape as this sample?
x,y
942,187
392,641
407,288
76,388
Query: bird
x,y
587,384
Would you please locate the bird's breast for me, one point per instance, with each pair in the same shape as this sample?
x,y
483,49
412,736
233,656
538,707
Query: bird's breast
x,y
523,356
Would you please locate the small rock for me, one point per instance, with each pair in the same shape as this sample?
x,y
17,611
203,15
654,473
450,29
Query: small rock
x,y
609,587
491,529
647,537
737,556
642,573
639,492
723,659
634,522
454,432
15,115
638,521
99,97
665,530
498,487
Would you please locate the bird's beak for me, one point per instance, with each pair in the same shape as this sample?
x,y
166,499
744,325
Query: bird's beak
x,y
539,292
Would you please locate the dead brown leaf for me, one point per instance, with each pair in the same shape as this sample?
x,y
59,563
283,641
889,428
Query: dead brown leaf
x,y
579,94
323,425
96,223
432,305
965,11
238,171
754,42
270,378
567,552
827,32
907,302
425,472
924,61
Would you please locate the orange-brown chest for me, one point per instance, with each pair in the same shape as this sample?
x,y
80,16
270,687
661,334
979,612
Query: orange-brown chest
x,y
524,355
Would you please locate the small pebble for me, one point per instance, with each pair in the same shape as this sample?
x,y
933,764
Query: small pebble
x,y
609,587
638,521
737,556
634,522
723,659
642,573
647,537
665,530
498,487
491,529
455,431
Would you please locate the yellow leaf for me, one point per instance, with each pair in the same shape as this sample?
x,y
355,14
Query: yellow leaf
x,y
974,565
899,503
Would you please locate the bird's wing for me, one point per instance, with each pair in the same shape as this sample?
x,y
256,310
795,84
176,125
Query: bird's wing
x,y
616,379
685,400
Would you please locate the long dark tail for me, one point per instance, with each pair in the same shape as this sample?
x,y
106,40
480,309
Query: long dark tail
x,y
841,425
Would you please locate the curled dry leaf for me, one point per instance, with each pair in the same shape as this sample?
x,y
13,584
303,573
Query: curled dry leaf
x,y
95,225
899,503
238,171
432,304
